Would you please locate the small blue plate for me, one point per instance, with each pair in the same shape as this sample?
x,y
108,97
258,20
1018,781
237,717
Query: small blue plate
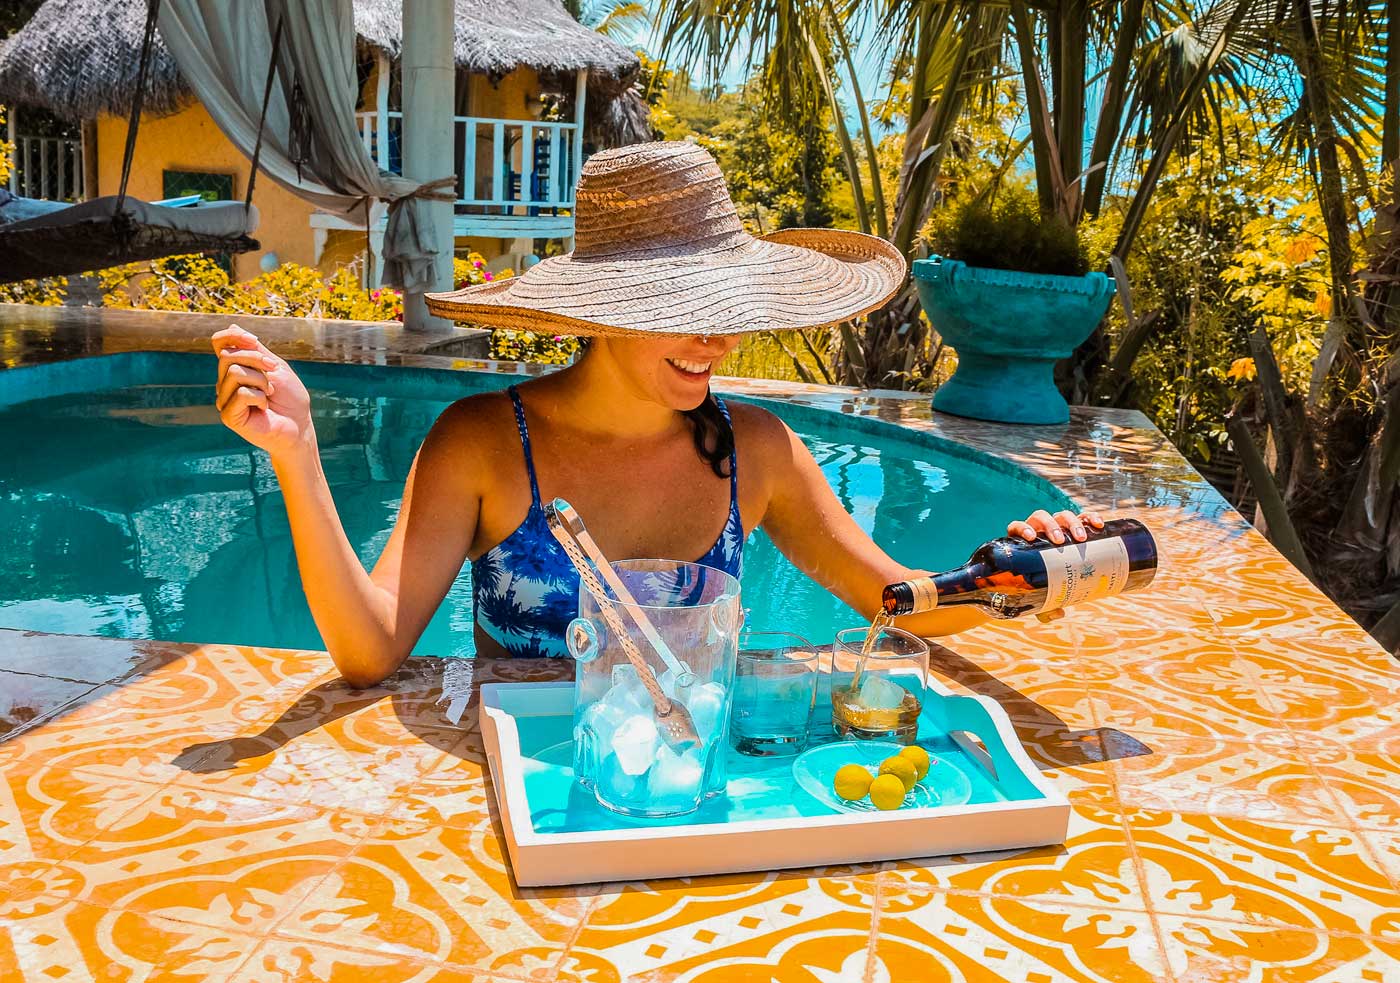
x,y
815,769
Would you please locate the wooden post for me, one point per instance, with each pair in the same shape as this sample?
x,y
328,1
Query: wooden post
x,y
427,70
571,193
381,110
90,188
580,95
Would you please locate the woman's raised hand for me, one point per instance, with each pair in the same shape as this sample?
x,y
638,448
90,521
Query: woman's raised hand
x,y
259,397
1055,528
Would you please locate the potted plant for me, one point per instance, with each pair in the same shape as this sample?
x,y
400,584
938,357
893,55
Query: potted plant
x,y
1010,290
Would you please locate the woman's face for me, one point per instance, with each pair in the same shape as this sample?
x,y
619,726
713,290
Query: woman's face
x,y
674,372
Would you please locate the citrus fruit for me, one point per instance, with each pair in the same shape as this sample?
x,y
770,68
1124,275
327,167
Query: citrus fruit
x,y
887,792
852,782
901,768
918,757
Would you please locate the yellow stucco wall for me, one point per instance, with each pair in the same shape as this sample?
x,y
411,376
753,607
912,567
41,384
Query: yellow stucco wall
x,y
190,141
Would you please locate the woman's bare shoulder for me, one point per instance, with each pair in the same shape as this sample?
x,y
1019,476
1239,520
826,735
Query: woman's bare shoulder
x,y
757,427
474,431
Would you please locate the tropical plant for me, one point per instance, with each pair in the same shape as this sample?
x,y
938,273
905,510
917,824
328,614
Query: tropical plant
x,y
620,19
1008,232
952,55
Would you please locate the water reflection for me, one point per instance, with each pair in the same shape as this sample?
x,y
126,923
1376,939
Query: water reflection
x,y
134,513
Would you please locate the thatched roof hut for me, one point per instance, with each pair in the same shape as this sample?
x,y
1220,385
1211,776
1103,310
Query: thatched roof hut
x,y
79,58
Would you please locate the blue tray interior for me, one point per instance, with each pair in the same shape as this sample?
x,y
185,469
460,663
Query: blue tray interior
x,y
758,788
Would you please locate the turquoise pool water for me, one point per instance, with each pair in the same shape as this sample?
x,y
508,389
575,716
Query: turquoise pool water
x,y
129,511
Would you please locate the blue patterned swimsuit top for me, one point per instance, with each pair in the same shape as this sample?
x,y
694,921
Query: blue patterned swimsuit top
x,y
525,590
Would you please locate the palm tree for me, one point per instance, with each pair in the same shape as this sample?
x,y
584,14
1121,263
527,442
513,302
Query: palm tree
x,y
953,53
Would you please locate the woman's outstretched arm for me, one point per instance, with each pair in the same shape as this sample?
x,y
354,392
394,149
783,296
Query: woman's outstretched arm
x,y
369,621
807,522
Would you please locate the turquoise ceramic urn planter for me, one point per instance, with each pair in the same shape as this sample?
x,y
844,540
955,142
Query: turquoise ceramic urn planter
x,y
1009,330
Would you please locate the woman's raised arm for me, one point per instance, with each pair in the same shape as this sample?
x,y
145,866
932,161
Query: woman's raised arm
x,y
369,621
807,522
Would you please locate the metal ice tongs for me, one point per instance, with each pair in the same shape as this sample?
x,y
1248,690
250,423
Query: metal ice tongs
x,y
673,720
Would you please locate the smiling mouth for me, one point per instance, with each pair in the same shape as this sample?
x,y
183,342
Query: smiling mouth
x,y
691,370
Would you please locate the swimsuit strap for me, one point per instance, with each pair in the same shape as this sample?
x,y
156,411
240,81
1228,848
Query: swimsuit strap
x,y
525,443
733,454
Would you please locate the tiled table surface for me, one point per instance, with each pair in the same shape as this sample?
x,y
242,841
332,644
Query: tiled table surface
x,y
1230,742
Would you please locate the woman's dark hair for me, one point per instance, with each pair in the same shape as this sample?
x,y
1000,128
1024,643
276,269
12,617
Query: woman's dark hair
x,y
714,437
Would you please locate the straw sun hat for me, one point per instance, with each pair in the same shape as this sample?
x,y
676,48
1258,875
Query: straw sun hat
x,y
659,250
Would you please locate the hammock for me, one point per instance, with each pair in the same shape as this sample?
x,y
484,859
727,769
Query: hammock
x,y
44,239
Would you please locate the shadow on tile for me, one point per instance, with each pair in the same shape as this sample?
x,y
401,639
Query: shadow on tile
x,y
1050,741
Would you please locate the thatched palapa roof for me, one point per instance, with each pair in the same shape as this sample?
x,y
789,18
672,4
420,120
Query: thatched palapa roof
x,y
78,58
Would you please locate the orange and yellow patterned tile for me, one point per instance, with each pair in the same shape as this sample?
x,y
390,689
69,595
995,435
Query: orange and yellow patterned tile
x,y
216,859
47,814
70,940
1204,951
802,937
1266,780
1316,878
968,938
439,894
1365,784
279,960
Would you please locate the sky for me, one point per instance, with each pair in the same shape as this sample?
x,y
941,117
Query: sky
x,y
870,59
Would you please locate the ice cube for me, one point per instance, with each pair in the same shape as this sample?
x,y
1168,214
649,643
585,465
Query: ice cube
x,y
675,776
707,706
634,742
627,691
614,783
878,693
602,717
669,685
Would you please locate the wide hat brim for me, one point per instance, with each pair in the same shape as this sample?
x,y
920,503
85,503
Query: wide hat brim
x,y
792,279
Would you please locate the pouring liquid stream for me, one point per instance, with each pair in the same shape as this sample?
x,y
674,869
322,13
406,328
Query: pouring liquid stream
x,y
879,623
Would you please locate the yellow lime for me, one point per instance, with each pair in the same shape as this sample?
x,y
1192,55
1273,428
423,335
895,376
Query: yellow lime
x,y
919,757
901,768
887,792
852,782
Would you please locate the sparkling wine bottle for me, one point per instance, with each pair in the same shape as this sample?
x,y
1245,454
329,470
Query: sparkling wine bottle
x,y
1011,577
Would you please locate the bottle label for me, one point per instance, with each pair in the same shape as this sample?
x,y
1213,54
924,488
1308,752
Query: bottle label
x,y
1084,571
925,592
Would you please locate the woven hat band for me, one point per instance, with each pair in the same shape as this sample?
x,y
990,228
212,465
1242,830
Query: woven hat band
x,y
630,204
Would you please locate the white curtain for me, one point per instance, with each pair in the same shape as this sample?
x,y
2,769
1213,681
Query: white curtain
x,y
223,50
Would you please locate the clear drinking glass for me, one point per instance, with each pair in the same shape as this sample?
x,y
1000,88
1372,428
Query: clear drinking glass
x,y
882,699
775,690
619,752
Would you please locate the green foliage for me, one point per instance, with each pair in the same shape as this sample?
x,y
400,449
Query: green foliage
x,y
1233,239
780,174
1008,233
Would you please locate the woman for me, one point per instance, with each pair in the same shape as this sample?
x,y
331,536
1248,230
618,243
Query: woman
x,y
666,281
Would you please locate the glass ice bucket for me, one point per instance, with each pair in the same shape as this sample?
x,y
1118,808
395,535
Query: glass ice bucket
x,y
620,755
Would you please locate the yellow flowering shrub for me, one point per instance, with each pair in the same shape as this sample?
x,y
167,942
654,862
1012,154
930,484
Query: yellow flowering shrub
x,y
7,151
48,292
514,346
197,284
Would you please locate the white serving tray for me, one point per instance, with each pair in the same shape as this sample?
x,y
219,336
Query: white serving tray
x,y
1032,812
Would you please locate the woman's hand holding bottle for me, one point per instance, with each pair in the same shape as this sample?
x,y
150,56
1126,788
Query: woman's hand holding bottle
x,y
260,398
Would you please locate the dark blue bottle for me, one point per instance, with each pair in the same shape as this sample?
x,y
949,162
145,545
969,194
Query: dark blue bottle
x,y
1011,577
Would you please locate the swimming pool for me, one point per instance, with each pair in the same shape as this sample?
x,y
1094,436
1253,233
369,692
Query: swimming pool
x,y
130,511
